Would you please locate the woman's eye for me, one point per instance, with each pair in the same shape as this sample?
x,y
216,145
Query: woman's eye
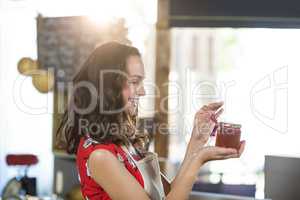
x,y
134,82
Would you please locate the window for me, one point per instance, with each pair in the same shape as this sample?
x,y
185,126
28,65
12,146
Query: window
x,y
254,71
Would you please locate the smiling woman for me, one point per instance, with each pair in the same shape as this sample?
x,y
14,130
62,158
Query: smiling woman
x,y
105,94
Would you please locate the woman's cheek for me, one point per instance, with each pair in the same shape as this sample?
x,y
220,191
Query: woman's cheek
x,y
126,94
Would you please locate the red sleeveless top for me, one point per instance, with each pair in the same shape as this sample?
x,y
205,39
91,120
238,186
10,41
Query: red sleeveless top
x,y
89,188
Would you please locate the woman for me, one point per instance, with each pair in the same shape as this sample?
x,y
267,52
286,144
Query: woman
x,y
99,127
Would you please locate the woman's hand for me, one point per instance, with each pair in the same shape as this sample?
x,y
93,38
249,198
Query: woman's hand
x,y
189,168
204,154
204,123
196,155
209,153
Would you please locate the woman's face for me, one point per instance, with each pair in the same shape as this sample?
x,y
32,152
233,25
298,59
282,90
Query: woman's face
x,y
134,87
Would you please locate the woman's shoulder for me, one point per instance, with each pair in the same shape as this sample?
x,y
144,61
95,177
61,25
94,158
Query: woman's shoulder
x,y
105,155
103,158
88,145
89,149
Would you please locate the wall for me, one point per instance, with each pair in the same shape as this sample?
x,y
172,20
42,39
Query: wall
x,y
22,129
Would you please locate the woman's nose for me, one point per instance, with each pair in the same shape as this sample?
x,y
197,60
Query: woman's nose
x,y
141,91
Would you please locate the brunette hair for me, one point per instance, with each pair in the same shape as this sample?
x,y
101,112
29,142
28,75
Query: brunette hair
x,y
107,91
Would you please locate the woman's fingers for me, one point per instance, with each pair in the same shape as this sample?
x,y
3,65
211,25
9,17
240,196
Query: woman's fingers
x,y
219,153
215,106
229,156
219,112
226,153
212,106
242,147
211,111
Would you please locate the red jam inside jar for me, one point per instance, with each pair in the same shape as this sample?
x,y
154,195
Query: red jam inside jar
x,y
228,135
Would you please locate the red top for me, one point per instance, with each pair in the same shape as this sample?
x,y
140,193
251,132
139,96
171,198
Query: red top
x,y
89,188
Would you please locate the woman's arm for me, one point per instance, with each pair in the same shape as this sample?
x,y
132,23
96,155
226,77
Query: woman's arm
x,y
203,125
114,178
182,184
189,169
196,154
120,184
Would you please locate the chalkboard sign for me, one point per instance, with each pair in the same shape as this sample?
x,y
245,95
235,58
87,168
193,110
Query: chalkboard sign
x,y
235,13
64,43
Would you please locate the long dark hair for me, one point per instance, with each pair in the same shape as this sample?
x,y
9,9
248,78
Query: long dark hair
x,y
108,93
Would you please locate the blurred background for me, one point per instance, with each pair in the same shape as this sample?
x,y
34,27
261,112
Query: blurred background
x,y
247,58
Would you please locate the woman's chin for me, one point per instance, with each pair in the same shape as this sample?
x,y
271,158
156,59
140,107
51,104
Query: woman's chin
x,y
133,112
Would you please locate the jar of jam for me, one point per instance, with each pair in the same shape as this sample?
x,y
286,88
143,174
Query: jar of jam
x,y
228,135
